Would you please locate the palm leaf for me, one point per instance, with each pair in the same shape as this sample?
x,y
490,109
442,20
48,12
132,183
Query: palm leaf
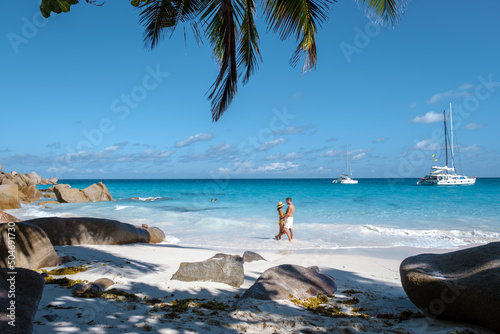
x,y
298,18
249,43
384,11
160,16
222,18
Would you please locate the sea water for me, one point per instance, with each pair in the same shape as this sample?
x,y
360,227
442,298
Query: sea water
x,y
373,213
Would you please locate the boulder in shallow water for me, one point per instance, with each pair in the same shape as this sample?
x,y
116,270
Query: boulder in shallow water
x,y
461,286
97,193
33,249
289,281
66,194
29,288
9,197
92,231
222,268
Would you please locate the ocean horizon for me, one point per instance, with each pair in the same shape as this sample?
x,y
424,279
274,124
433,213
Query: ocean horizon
x,y
377,212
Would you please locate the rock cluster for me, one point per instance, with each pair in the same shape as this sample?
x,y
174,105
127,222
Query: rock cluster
x,y
461,286
16,188
94,193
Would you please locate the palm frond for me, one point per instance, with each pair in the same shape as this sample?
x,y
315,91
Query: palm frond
x,y
384,11
222,17
249,42
161,16
299,18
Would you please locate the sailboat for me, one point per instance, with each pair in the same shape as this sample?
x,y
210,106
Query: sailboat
x,y
344,178
446,176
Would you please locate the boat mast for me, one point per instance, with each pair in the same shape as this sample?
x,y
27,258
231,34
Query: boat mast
x,y
347,161
451,126
445,138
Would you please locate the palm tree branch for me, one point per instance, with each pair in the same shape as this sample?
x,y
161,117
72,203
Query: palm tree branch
x,y
222,17
159,16
249,43
384,11
298,18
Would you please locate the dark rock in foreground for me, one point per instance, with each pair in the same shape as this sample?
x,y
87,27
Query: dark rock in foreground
x,y
32,248
462,286
289,281
222,268
95,231
28,292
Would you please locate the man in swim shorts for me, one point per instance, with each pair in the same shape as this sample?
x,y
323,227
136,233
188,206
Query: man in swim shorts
x,y
289,219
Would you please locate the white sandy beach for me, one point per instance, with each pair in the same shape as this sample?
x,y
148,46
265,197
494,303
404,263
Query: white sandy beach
x,y
146,270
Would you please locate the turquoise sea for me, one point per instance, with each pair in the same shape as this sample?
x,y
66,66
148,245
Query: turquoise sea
x,y
373,213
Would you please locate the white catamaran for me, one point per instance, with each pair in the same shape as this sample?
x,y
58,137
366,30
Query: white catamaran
x,y
446,176
344,178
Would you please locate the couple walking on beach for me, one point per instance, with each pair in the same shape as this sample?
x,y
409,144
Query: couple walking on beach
x,y
286,220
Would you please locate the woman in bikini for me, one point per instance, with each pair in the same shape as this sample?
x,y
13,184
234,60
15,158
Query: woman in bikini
x,y
281,221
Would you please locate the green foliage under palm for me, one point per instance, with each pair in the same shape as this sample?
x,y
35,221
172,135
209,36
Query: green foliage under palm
x,y
229,26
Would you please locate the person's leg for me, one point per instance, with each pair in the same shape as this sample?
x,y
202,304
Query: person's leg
x,y
291,233
287,233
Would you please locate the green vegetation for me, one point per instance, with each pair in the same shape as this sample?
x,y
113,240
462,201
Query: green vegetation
x,y
63,281
67,270
354,300
321,305
351,292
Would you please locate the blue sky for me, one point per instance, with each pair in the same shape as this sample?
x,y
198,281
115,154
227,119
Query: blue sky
x,y
82,98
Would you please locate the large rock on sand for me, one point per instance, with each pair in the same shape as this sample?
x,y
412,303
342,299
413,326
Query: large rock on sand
x,y
222,268
32,248
462,286
94,231
28,286
9,197
288,281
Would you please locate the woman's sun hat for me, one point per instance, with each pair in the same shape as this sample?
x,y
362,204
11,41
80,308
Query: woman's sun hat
x,y
280,205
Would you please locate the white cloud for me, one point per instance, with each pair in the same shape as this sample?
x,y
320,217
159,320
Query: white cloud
x,y
62,169
358,156
329,140
472,148
465,86
413,104
463,92
293,130
205,136
277,166
270,144
426,145
288,156
331,153
380,140
473,126
54,145
214,153
430,117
